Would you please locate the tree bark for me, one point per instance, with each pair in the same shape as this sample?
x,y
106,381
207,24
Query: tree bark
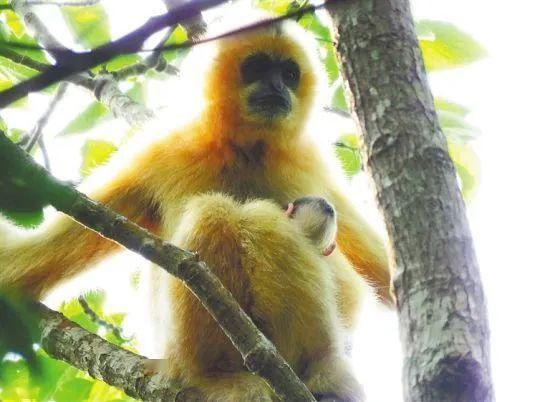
x,y
67,341
442,311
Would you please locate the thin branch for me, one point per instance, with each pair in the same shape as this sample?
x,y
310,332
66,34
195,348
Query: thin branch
x,y
258,353
43,120
340,144
153,61
44,151
77,62
339,112
22,59
89,311
104,88
131,43
68,341
195,26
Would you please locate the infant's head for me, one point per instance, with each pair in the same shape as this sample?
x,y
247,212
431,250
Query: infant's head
x,y
316,217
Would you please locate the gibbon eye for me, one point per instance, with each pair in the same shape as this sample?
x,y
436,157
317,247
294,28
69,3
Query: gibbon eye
x,y
291,74
254,67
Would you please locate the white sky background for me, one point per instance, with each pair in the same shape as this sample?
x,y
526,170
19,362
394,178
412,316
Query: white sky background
x,y
507,94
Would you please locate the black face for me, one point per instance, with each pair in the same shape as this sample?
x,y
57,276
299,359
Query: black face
x,y
274,79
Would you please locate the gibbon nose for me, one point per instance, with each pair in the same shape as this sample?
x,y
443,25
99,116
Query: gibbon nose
x,y
276,83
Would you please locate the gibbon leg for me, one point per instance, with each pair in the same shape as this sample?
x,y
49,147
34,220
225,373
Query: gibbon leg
x,y
278,278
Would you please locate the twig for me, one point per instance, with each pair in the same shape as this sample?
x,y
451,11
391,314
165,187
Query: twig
x,y
131,43
258,353
97,319
44,151
104,88
154,60
67,341
339,112
43,120
22,59
77,62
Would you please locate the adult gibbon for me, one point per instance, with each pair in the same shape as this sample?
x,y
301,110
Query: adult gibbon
x,y
216,186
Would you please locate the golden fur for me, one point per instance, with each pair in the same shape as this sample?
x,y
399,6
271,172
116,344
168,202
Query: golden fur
x,y
197,187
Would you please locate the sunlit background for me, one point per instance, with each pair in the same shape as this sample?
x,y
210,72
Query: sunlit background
x,y
507,95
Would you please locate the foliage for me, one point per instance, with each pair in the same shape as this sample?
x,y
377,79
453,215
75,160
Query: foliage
x,y
18,332
443,45
47,379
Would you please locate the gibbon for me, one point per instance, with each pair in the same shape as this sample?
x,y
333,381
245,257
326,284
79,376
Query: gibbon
x,y
317,220
216,186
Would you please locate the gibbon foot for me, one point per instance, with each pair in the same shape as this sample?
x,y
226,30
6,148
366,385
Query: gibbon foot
x,y
237,387
331,380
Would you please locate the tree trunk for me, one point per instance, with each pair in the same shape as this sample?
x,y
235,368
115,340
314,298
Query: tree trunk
x,y
442,311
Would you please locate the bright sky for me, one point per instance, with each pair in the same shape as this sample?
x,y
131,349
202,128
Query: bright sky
x,y
507,94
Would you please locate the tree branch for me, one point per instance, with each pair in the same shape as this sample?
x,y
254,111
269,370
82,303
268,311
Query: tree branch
x,y
22,59
43,120
153,61
71,63
89,311
104,88
442,312
259,354
131,43
65,340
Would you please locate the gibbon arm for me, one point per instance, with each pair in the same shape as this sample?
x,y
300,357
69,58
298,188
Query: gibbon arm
x,y
35,264
363,247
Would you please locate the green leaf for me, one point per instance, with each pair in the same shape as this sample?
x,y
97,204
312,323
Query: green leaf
x,y
321,33
89,25
95,153
27,220
19,194
452,121
348,153
73,311
137,93
19,329
55,374
15,381
178,36
122,61
90,117
275,6
444,46
339,99
15,24
24,194
313,24
12,73
15,72
15,33
449,106
467,167
74,389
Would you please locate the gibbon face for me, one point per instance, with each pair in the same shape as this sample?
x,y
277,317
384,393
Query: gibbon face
x,y
268,80
264,81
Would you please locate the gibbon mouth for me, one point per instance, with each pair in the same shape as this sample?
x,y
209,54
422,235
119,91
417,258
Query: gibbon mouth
x,y
269,105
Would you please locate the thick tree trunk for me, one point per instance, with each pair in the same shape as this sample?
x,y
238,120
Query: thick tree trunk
x,y
441,304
